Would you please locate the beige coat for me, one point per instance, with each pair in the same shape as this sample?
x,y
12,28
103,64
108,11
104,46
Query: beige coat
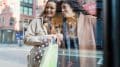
x,y
86,28
86,25
34,36
35,33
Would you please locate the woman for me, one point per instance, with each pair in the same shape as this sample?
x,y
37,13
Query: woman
x,y
70,15
78,31
40,32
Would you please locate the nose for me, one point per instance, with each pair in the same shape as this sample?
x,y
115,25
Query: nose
x,y
63,10
48,9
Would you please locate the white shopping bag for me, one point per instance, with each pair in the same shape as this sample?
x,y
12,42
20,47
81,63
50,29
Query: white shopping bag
x,y
50,56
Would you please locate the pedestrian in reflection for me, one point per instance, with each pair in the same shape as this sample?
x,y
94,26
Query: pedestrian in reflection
x,y
40,32
78,29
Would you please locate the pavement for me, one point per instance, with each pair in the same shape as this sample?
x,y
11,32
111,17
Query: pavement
x,y
14,56
4,63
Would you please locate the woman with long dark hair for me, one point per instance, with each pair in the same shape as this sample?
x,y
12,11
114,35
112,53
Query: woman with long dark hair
x,y
40,32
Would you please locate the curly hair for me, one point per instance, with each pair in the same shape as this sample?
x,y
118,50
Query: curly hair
x,y
74,5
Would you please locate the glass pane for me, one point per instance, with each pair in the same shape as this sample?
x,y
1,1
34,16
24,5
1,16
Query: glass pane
x,y
30,11
74,29
0,19
22,10
30,1
26,1
0,36
21,0
26,10
72,57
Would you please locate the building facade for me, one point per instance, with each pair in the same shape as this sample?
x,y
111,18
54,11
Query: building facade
x,y
8,23
6,26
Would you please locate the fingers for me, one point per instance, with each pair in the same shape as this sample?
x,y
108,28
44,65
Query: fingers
x,y
59,36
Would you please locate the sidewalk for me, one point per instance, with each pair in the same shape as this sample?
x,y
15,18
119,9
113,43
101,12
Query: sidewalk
x,y
11,45
15,48
14,56
4,63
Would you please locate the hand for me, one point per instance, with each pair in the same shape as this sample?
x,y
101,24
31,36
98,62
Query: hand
x,y
50,37
59,38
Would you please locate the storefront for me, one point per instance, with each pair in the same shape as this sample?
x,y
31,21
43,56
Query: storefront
x,y
7,36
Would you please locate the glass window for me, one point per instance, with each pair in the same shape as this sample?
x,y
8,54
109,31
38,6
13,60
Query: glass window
x,y
30,1
21,0
26,10
0,36
3,20
21,9
0,19
30,11
26,1
11,21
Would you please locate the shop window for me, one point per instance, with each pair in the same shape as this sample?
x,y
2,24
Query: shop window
x,y
3,21
12,21
21,9
30,11
21,0
30,1
26,1
26,10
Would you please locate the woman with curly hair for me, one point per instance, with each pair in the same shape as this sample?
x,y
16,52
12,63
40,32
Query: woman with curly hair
x,y
78,32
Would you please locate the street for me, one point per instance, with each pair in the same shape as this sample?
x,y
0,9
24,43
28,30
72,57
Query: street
x,y
17,56
13,56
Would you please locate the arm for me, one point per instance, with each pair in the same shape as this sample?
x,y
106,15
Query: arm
x,y
31,38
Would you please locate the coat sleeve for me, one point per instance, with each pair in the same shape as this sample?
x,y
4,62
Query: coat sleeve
x,y
85,31
30,35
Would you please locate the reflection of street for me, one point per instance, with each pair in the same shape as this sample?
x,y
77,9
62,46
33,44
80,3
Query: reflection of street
x,y
73,59
14,56
4,63
17,56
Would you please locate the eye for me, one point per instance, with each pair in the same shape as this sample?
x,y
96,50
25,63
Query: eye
x,y
47,7
52,8
63,7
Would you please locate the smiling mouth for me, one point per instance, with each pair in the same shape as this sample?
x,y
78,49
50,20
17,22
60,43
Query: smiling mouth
x,y
63,12
48,12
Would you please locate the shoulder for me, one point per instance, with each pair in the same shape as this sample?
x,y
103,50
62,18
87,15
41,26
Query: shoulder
x,y
57,20
91,17
37,20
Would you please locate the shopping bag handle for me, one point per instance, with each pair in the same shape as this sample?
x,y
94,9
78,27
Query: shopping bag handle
x,y
53,41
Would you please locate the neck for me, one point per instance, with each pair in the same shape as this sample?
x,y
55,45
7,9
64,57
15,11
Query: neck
x,y
71,15
47,19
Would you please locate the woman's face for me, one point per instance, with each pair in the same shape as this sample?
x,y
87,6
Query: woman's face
x,y
66,10
50,9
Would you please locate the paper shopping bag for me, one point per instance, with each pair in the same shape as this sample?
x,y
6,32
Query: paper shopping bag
x,y
50,56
